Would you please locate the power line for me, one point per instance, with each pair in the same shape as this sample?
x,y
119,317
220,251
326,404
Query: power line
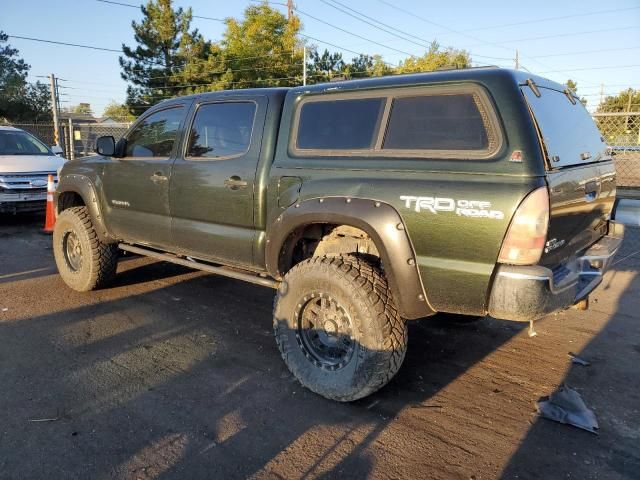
x,y
64,43
583,52
354,34
302,35
138,6
586,32
373,24
78,45
562,17
424,43
459,32
592,68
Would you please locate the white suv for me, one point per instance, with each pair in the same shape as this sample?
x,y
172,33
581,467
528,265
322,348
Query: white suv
x,y
25,164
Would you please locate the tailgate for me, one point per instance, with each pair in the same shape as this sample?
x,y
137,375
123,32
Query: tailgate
x,y
580,173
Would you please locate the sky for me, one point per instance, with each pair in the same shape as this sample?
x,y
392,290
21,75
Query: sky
x,y
592,42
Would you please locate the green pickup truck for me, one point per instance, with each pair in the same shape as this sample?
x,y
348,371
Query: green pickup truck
x,y
365,203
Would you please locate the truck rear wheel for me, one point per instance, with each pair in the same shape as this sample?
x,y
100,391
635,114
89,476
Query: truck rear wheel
x,y
84,262
337,327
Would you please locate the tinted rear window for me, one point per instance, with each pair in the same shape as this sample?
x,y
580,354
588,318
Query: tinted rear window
x,y
436,122
339,124
567,129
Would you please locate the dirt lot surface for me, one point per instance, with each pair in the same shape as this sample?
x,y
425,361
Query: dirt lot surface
x,y
175,374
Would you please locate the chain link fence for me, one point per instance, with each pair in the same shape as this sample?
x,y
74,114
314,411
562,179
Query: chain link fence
x,y
78,139
86,134
44,131
621,131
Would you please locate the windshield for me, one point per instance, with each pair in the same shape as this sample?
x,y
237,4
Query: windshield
x,y
16,142
568,131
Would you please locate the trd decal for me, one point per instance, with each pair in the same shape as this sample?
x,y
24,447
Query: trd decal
x,y
464,208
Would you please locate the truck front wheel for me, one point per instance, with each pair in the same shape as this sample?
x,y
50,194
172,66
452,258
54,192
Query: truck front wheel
x,y
84,262
337,327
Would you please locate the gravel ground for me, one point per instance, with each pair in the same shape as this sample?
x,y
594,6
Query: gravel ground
x,y
172,373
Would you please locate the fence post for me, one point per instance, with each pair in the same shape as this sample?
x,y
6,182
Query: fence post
x,y
54,109
72,146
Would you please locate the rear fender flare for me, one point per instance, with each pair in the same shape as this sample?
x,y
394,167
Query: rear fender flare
x,y
380,221
84,187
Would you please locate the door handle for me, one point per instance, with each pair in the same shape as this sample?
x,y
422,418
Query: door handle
x,y
158,177
235,183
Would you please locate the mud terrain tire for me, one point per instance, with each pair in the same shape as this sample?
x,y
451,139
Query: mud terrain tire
x,y
84,262
337,327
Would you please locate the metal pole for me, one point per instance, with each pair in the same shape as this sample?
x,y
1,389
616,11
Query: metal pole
x,y
304,65
517,61
601,93
71,140
54,110
626,120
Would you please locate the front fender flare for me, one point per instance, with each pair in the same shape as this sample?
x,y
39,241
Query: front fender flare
x,y
380,221
84,187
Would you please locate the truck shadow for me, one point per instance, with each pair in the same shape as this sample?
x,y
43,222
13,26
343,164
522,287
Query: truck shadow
x,y
608,386
185,380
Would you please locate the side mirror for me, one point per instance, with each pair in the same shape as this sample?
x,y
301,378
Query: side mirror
x,y
121,148
57,150
106,146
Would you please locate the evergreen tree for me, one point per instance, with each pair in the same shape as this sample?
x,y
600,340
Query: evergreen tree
x,y
20,100
168,57
365,66
573,86
323,68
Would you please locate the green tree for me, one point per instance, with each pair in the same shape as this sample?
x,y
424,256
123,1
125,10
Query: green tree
x,y
365,66
322,68
573,86
619,130
626,101
168,57
20,100
435,58
119,112
84,108
262,49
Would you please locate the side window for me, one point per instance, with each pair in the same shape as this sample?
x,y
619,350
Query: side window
x,y
430,122
221,130
436,122
339,124
155,135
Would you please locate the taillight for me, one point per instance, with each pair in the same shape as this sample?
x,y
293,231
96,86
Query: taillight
x,y
524,242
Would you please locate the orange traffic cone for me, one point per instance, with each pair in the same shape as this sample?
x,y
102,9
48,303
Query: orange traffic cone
x,y
50,219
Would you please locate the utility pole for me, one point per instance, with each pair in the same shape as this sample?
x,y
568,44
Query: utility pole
x,y
517,61
304,65
55,109
601,94
71,140
289,9
626,120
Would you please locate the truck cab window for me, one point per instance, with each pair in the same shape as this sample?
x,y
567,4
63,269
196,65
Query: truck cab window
x,y
221,130
437,122
155,135
339,124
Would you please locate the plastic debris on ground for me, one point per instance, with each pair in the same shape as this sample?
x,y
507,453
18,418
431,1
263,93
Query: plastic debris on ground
x,y
578,361
566,406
